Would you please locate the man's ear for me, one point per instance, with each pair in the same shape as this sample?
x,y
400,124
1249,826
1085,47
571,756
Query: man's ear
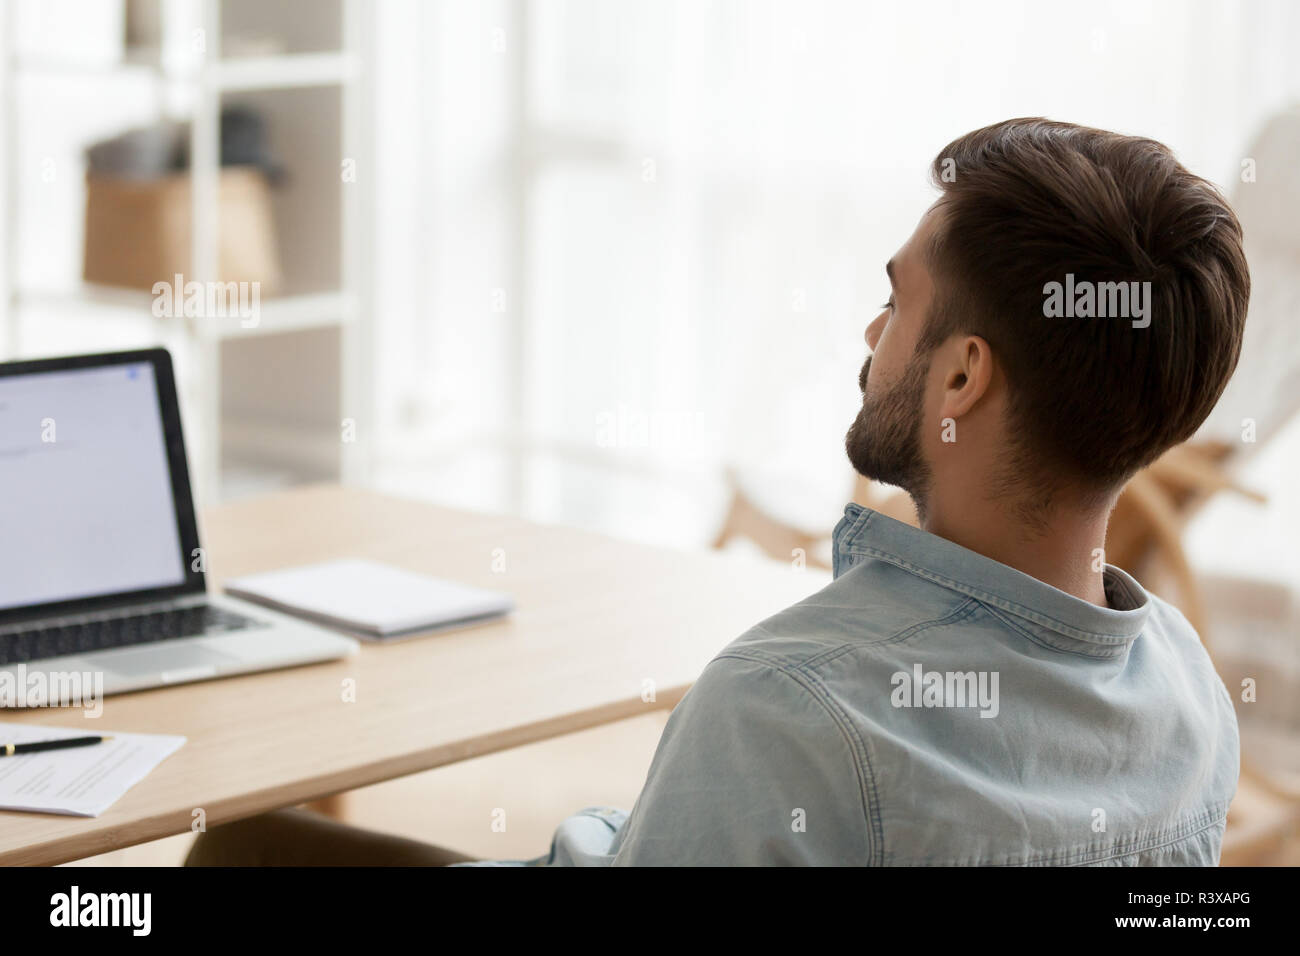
x,y
967,374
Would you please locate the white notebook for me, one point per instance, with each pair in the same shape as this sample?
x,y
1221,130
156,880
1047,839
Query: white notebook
x,y
372,600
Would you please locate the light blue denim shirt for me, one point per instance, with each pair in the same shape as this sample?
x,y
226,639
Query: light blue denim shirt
x,y
932,706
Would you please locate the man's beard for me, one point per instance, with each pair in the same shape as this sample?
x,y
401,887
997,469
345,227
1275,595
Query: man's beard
x,y
884,442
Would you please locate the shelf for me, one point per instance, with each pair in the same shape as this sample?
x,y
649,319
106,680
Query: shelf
x,y
290,71
134,60
295,312
233,74
281,314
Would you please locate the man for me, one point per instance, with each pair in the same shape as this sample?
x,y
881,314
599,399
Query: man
x,y
986,689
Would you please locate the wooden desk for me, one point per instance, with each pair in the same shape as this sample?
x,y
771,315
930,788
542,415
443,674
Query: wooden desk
x,y
596,619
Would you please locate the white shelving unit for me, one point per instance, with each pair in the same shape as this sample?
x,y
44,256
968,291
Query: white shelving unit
x,y
269,399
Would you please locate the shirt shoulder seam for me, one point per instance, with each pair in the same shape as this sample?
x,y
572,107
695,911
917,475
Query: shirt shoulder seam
x,y
988,597
960,612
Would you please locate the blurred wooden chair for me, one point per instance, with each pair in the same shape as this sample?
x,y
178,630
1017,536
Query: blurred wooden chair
x,y
1145,535
775,537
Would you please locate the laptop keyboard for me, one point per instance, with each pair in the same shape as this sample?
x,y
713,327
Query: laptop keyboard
x,y
101,634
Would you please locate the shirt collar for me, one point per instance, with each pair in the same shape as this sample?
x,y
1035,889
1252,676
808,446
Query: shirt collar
x,y
1051,614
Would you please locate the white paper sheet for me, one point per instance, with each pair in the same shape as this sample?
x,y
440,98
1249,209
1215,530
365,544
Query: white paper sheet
x,y
79,781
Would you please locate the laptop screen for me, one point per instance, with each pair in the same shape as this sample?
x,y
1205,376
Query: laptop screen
x,y
86,503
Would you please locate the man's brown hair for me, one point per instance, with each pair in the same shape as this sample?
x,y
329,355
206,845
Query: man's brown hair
x,y
1027,202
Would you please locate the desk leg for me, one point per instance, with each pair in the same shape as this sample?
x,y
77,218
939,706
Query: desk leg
x,y
333,806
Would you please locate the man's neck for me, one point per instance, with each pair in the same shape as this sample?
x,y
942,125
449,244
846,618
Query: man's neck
x,y
1061,551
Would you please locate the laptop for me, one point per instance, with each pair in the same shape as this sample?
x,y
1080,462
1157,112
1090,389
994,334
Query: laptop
x,y
101,569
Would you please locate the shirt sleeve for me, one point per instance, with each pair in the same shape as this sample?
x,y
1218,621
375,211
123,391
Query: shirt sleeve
x,y
753,768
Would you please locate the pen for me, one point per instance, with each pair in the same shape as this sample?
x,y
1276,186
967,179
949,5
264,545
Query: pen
x,y
10,750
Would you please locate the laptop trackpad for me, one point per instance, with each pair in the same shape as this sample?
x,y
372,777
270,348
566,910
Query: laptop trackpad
x,y
173,663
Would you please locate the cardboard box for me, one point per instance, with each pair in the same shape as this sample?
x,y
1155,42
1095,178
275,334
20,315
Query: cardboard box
x,y
138,231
